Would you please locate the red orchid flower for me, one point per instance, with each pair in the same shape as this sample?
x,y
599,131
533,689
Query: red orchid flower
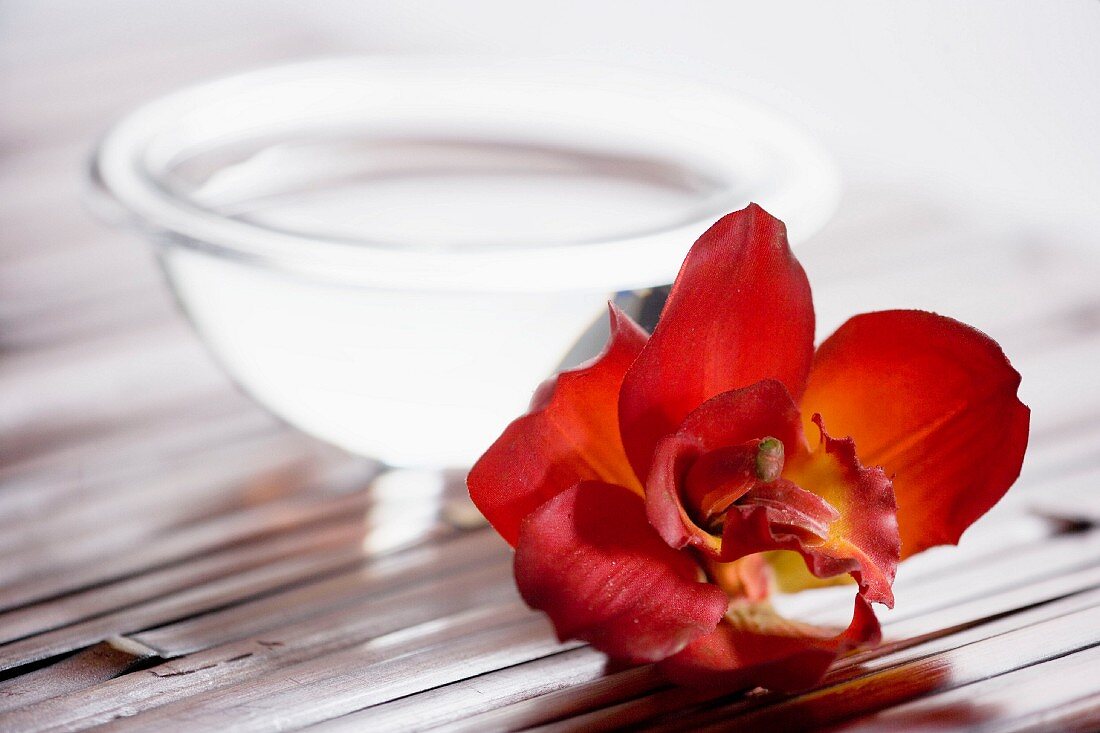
x,y
657,494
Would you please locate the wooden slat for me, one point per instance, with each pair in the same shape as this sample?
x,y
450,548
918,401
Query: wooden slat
x,y
71,609
76,269
1060,389
380,575
79,385
318,690
1077,500
88,321
276,468
189,541
927,594
108,456
377,629
1029,564
925,675
1080,716
72,296
462,705
1026,308
649,695
648,692
1074,586
1031,696
179,604
82,670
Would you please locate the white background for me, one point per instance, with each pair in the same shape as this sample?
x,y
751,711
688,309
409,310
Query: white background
x,y
994,99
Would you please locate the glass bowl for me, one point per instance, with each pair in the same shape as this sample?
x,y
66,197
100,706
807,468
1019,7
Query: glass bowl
x,y
392,253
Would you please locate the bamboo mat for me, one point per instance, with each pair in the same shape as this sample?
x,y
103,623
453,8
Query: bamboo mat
x,y
173,558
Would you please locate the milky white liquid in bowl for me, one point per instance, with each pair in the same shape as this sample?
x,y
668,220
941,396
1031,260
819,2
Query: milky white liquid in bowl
x,y
426,376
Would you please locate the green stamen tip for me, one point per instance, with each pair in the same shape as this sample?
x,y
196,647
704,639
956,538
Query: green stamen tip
x,y
769,459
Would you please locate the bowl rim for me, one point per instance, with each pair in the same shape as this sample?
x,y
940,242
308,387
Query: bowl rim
x,y
808,189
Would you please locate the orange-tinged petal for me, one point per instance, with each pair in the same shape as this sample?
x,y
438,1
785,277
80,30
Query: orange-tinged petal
x,y
865,533
788,518
571,435
755,646
790,574
590,560
931,400
750,578
740,311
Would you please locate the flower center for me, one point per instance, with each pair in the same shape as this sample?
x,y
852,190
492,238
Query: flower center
x,y
718,479
769,459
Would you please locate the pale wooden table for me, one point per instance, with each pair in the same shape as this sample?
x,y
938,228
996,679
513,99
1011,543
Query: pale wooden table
x,y
171,557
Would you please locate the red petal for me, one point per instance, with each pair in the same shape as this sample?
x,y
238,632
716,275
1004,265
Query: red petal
x,y
934,402
754,528
756,647
719,478
795,508
571,435
589,559
740,311
730,419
